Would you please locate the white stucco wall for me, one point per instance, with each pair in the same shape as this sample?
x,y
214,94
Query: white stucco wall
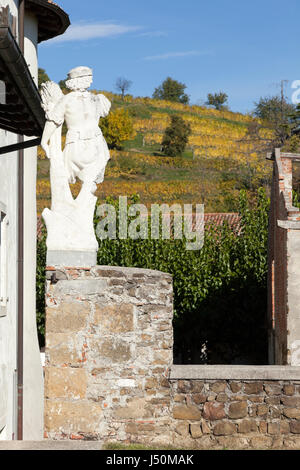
x,y
33,372
33,377
8,323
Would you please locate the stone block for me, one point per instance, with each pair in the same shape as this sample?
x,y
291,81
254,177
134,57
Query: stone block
x,y
289,389
261,442
224,428
183,386
108,272
295,427
164,383
139,428
198,398
293,402
275,411
277,443
253,388
205,427
238,410
263,427
65,382
115,318
78,287
67,417
273,389
284,427
235,387
67,317
293,413
186,412
233,442
214,411
238,398
222,397
151,382
182,428
197,386
255,398
162,357
292,443
117,282
262,410
205,442
136,408
247,426
272,400
178,398
114,350
195,431
274,428
218,387
61,349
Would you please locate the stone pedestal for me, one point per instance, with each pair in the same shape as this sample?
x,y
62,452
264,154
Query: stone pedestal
x,y
109,347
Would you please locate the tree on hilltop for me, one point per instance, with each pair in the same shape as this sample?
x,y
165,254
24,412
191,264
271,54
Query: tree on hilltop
x,y
171,90
123,85
218,100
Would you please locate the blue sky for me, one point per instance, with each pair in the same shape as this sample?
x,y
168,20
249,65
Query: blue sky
x,y
244,48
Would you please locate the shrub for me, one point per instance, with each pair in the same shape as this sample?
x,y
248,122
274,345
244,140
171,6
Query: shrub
x,y
117,127
176,137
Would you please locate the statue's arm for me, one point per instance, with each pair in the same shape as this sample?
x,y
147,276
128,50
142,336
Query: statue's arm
x,y
104,105
49,130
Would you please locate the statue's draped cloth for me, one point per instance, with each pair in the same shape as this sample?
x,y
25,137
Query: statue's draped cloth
x,y
86,153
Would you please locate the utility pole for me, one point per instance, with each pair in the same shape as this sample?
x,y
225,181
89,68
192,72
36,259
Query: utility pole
x,y
282,84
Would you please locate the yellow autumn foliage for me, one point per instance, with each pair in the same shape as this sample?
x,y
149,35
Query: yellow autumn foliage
x,y
117,127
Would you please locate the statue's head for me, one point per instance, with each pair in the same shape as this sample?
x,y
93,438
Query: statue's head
x,y
80,78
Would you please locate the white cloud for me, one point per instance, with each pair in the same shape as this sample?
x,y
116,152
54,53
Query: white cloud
x,y
86,31
171,55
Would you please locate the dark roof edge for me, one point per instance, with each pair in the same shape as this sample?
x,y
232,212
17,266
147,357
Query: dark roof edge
x,y
18,69
62,17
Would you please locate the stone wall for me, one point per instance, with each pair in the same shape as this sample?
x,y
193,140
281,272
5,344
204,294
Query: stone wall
x,y
236,413
109,343
109,374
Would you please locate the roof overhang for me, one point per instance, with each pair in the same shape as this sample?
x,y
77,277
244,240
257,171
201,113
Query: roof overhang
x,y
52,20
22,112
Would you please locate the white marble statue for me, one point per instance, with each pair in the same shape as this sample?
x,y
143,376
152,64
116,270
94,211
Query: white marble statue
x,y
71,239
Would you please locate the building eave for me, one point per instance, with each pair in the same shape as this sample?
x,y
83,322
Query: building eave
x,y
52,20
22,113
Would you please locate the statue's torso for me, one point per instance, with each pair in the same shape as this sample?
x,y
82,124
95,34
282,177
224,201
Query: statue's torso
x,y
81,113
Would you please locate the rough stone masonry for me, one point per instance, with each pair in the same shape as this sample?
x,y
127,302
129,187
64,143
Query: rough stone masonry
x,y
109,373
109,342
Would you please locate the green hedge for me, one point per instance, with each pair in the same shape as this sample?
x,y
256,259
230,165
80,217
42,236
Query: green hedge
x,y
220,291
